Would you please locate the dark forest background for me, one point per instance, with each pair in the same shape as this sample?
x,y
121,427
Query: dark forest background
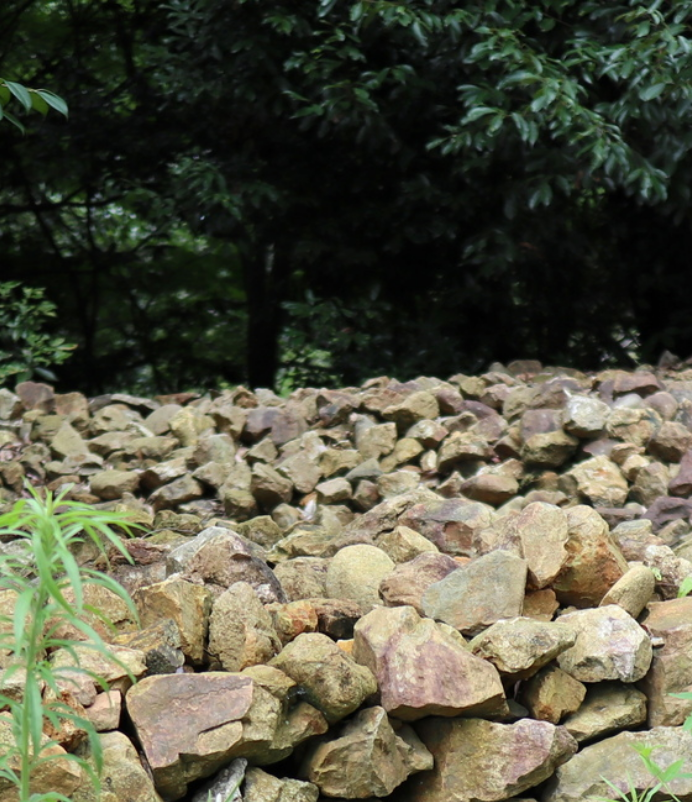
x,y
321,191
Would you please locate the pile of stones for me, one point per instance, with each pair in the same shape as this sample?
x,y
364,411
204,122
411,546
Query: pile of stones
x,y
431,591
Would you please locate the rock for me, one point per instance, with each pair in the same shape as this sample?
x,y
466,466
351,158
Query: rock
x,y
105,712
408,582
415,407
543,532
187,604
215,708
375,440
333,491
490,488
241,631
269,488
480,760
594,563
549,449
224,786
368,758
670,441
403,544
303,577
114,484
585,416
356,572
480,593
176,493
614,759
610,644
451,524
461,447
633,591
262,787
607,708
600,482
671,668
422,669
681,483
292,619
301,471
551,694
35,395
519,647
334,683
226,558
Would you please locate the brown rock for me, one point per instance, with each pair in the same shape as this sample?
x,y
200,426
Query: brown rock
x,y
334,683
480,760
671,667
595,563
551,694
480,593
408,582
451,524
368,758
670,441
422,669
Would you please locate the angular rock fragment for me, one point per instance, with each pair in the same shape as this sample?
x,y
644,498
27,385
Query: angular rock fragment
x,y
422,670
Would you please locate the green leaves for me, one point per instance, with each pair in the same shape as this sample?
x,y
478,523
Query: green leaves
x,y
39,100
49,527
25,349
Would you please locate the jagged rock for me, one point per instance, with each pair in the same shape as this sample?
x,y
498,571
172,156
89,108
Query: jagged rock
x,y
262,787
585,416
408,582
600,482
480,760
413,408
226,558
519,647
671,668
480,593
217,710
187,604
607,708
334,683
543,532
105,712
423,669
403,544
114,484
551,694
241,631
224,786
594,563
614,759
610,644
368,758
122,775
58,775
450,524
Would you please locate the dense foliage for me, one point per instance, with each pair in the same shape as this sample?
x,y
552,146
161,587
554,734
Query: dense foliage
x,y
322,190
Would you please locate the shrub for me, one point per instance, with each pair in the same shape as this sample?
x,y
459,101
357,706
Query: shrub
x,y
38,569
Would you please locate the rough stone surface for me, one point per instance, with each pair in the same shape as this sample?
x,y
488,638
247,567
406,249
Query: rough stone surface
x,y
480,760
480,593
422,669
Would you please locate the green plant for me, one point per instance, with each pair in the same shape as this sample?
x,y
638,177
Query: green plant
x,y
39,575
24,348
660,778
685,587
39,100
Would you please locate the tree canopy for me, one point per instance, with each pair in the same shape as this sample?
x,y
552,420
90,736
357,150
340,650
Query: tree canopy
x,y
319,191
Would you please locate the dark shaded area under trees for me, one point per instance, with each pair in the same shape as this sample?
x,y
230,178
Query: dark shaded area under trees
x,y
305,192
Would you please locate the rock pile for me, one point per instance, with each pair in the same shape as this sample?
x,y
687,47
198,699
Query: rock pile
x,y
432,591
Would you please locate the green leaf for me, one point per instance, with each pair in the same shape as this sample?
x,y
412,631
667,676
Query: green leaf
x,y
53,100
478,112
684,590
652,92
325,7
21,93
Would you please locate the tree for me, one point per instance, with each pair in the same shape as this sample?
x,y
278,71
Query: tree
x,y
39,100
452,185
